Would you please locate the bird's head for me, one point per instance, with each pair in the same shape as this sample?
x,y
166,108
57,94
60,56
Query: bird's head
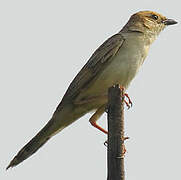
x,y
148,22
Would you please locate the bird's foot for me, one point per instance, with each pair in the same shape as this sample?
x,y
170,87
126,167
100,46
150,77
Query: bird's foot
x,y
106,142
128,103
124,148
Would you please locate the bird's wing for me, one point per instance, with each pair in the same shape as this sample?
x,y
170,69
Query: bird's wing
x,y
95,65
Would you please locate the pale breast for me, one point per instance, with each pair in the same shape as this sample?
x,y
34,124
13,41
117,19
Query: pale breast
x,y
122,69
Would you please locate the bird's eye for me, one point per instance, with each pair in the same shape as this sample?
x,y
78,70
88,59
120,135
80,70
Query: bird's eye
x,y
155,17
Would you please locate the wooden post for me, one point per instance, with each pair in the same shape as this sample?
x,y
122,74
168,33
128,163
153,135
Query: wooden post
x,y
116,133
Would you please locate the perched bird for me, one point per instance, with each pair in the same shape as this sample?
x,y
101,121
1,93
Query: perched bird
x,y
116,61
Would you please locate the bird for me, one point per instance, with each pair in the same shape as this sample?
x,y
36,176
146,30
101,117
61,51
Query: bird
x,y
116,61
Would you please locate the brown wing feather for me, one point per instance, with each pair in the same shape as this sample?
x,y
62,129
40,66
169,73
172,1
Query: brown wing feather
x,y
95,65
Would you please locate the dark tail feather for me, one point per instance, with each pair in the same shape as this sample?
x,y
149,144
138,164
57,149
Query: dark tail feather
x,y
34,144
59,121
26,151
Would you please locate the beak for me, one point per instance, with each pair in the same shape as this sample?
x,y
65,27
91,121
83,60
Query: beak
x,y
169,22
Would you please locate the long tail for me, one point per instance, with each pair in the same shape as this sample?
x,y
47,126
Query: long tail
x,y
56,124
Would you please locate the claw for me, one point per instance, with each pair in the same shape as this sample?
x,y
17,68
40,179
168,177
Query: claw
x,y
129,100
106,143
128,103
125,138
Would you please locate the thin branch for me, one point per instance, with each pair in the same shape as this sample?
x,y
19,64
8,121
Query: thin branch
x,y
116,133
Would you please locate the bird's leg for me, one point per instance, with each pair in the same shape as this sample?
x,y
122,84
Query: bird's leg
x,y
96,116
93,121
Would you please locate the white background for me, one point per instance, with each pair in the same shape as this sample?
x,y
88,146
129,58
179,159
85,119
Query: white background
x,y
43,45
